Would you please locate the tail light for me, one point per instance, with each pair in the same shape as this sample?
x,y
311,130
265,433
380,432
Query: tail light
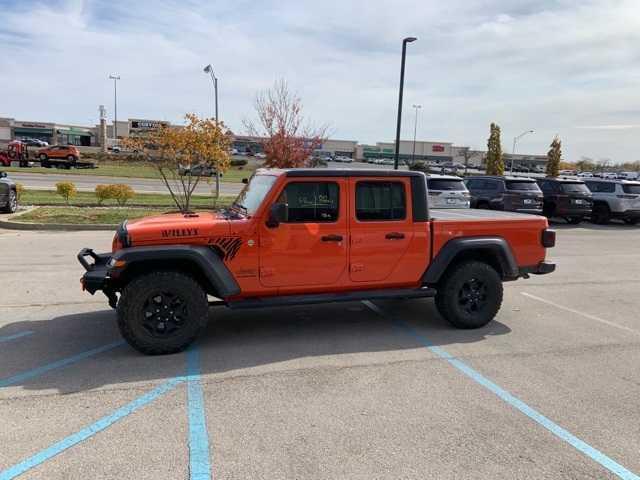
x,y
548,238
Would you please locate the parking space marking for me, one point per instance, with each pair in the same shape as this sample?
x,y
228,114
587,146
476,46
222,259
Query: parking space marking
x,y
89,431
557,430
199,462
20,377
583,314
15,336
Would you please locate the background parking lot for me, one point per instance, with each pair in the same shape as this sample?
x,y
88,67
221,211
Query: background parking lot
x,y
355,390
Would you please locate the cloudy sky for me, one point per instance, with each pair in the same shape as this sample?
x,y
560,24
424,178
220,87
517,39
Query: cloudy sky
x,y
559,67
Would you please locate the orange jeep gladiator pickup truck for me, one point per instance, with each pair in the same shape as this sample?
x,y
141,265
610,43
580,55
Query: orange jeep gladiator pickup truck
x,y
306,236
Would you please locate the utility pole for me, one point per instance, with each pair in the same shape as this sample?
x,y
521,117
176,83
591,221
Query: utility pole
x,y
115,79
404,55
513,150
209,69
415,131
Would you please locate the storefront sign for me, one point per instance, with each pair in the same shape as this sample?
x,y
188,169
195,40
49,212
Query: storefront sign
x,y
437,148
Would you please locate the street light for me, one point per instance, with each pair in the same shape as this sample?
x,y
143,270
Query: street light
x,y
415,131
404,54
115,79
209,69
513,150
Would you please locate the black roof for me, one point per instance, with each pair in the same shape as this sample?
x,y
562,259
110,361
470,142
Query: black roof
x,y
501,177
561,180
347,172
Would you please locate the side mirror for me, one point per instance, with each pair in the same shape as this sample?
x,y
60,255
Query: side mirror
x,y
3,174
245,180
278,213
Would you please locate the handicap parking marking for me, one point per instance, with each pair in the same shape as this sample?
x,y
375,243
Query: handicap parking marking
x,y
199,457
20,377
15,336
557,430
89,431
582,314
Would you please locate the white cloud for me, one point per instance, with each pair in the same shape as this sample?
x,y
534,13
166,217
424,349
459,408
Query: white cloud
x,y
545,65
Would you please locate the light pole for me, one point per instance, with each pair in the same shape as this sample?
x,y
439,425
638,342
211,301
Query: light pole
x,y
404,55
513,150
115,79
209,69
415,131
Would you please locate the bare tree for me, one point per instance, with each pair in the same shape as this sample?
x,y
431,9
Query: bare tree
x,y
289,141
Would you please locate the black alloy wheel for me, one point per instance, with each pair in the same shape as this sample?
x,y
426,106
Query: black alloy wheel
x,y
164,314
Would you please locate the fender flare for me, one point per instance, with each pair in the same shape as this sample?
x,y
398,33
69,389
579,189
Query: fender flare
x,y
497,247
205,259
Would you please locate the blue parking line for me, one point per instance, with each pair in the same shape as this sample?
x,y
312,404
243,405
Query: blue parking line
x,y
15,336
199,462
89,431
20,377
515,402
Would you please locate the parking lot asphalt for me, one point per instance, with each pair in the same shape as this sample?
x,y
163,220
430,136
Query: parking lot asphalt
x,y
356,390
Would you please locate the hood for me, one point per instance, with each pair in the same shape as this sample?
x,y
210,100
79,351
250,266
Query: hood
x,y
177,228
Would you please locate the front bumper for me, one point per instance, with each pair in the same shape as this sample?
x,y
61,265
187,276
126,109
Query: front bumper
x,y
97,274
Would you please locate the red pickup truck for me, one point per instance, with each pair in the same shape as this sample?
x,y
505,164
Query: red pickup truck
x,y
310,236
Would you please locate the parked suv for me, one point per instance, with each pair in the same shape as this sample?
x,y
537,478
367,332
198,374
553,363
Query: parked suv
x,y
615,199
514,194
8,194
59,155
566,198
447,191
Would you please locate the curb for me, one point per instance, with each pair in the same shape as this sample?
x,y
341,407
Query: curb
x,y
54,226
10,225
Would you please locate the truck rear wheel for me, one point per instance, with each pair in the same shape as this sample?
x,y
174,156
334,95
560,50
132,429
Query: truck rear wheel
x,y
162,312
470,295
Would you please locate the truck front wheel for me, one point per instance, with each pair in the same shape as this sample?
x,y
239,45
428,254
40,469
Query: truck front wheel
x,y
162,312
470,295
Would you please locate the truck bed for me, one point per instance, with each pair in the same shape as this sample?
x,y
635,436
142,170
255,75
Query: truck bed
x,y
523,231
450,214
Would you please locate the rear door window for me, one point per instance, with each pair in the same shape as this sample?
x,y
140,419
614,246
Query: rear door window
x,y
444,184
577,187
631,189
377,201
522,186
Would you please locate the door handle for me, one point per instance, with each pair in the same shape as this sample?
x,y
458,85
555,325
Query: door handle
x,y
331,238
394,236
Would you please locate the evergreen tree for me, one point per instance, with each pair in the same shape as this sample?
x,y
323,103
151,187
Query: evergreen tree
x,y
495,162
554,157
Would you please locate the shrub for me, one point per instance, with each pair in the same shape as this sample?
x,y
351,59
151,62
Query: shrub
x,y
103,192
122,193
19,191
66,190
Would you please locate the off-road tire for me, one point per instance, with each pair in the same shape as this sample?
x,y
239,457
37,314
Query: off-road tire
x,y
454,288
132,319
600,214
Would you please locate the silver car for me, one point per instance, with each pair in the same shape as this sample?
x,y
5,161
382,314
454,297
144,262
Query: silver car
x,y
447,191
615,199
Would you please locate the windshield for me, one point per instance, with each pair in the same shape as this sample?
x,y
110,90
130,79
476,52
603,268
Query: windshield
x,y
520,185
251,196
441,184
631,188
577,187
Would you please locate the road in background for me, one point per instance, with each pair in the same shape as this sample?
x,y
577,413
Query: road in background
x,y
328,391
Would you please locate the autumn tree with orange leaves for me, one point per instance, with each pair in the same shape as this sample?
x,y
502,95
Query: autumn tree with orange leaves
x,y
182,154
289,141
